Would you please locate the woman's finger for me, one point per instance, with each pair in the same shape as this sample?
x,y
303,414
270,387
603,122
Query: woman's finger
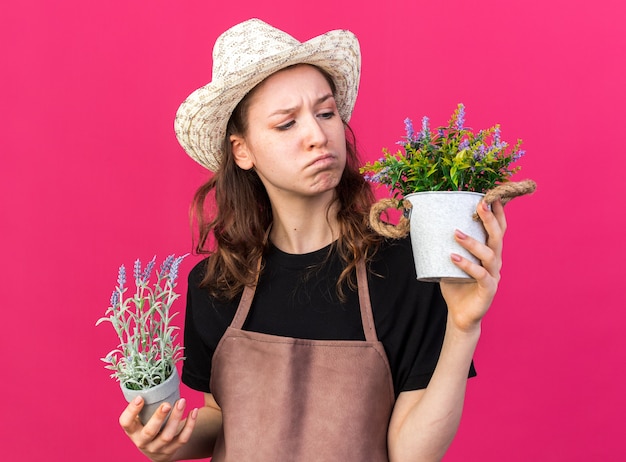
x,y
129,420
153,427
480,273
190,423
494,221
498,211
175,423
488,257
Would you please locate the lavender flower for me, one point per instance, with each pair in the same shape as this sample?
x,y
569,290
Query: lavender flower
x,y
174,269
165,266
137,271
380,176
115,299
465,144
460,118
410,132
496,137
519,154
121,277
479,154
148,270
146,353
425,133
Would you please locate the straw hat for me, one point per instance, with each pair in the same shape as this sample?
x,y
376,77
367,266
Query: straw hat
x,y
245,55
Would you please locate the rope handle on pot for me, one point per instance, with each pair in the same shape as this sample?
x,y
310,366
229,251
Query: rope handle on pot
x,y
508,191
505,192
388,229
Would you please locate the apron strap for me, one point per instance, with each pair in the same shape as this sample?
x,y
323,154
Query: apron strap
x,y
246,298
367,318
244,307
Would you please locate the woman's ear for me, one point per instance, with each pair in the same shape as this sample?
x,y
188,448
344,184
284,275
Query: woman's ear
x,y
241,153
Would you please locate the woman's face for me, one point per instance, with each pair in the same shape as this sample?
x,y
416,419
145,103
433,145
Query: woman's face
x,y
295,138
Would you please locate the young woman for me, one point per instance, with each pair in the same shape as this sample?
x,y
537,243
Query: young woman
x,y
308,334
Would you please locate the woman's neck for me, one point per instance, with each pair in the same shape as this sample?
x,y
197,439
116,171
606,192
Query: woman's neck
x,y
304,226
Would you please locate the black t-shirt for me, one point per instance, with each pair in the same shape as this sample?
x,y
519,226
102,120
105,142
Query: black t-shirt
x,y
296,297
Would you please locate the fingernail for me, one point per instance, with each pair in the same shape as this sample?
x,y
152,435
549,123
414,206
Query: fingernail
x,y
137,400
165,408
460,234
485,206
194,414
455,257
181,404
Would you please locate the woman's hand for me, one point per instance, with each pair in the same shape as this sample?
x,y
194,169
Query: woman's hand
x,y
469,302
159,444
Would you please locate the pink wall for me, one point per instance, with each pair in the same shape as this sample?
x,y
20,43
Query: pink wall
x,y
92,176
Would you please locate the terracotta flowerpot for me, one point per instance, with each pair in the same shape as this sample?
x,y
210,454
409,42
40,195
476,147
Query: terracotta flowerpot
x,y
168,391
435,215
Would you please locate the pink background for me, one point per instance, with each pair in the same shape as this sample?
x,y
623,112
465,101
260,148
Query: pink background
x,y
92,177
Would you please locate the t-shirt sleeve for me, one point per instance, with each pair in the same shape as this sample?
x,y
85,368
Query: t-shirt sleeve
x,y
410,317
422,369
206,321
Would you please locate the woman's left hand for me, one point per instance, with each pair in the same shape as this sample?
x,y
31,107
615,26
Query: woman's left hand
x,y
469,302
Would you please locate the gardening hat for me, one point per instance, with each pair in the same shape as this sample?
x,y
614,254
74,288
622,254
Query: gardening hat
x,y
244,56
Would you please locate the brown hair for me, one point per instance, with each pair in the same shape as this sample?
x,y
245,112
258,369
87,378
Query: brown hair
x,y
239,229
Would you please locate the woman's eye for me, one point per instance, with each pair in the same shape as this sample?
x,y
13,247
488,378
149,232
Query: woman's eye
x,y
287,125
327,115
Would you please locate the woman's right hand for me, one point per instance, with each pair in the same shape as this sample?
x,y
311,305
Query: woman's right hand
x,y
159,444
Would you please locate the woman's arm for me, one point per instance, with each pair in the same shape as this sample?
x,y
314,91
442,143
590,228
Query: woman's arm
x,y
424,422
180,439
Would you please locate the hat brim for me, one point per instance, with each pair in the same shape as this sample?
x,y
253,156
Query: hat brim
x,y
201,120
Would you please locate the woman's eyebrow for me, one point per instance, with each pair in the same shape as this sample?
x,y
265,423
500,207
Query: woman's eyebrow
x,y
289,110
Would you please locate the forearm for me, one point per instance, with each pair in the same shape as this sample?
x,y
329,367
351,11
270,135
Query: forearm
x,y
202,441
426,422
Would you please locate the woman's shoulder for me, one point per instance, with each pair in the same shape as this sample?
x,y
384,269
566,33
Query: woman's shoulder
x,y
198,294
204,308
196,274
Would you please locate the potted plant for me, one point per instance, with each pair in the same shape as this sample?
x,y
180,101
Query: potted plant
x,y
439,177
144,362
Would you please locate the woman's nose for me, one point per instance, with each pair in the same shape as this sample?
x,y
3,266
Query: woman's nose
x,y
315,134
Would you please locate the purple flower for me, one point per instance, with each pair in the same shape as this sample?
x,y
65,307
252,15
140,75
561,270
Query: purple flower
x,y
174,269
519,154
115,299
496,137
148,271
137,271
460,118
121,277
410,132
480,153
425,133
166,265
380,176
465,144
